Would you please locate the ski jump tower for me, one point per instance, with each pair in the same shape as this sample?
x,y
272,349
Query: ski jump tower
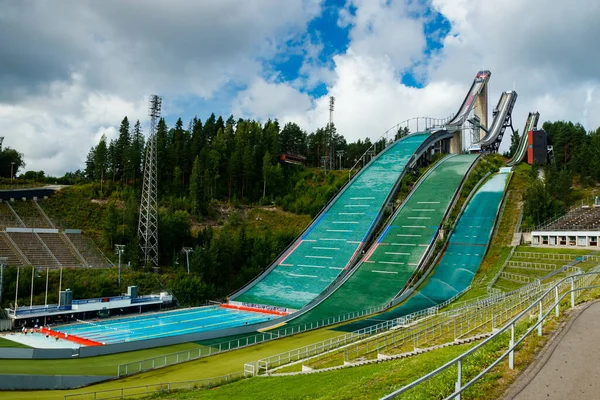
x,y
475,102
148,223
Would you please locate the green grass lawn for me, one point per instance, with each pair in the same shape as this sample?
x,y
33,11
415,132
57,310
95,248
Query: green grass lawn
x,y
367,382
10,343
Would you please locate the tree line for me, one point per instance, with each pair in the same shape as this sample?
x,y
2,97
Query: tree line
x,y
233,160
574,160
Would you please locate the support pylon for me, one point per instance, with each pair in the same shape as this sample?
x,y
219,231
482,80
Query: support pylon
x,y
148,222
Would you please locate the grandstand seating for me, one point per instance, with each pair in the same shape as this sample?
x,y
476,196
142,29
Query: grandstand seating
x,y
334,239
88,250
399,250
30,214
61,249
6,250
33,248
8,218
580,219
43,249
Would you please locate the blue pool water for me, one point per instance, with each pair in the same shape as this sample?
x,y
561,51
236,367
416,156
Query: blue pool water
x,y
161,324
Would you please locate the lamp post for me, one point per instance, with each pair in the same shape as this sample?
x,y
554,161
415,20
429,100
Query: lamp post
x,y
340,153
120,248
3,262
31,299
12,163
187,251
46,297
17,290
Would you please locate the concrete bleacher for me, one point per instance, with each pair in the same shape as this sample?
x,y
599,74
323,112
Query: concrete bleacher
x,y
33,248
6,250
62,250
585,218
8,217
30,214
36,241
88,250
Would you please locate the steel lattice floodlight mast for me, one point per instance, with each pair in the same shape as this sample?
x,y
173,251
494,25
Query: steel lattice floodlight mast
x,y
148,223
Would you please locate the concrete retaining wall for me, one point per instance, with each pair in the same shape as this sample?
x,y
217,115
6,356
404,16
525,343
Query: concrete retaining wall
x,y
29,194
47,382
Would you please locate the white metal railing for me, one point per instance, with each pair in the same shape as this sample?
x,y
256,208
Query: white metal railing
x,y
531,265
147,390
150,364
427,123
544,306
266,364
555,256
481,307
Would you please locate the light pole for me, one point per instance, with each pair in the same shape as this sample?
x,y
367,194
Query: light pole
x,y
59,286
31,299
324,160
3,262
120,248
340,153
46,297
17,290
12,163
187,251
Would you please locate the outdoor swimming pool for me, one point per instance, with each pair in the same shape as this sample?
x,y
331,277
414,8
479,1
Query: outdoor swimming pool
x,y
161,324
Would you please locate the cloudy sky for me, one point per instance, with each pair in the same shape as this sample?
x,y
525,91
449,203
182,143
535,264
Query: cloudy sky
x,y
71,69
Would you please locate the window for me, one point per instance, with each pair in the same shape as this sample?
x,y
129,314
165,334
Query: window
x,y
572,241
562,240
553,240
593,240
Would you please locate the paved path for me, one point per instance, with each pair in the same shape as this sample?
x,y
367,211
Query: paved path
x,y
571,367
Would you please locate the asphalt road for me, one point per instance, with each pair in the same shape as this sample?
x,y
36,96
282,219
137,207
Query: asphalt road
x,y
571,367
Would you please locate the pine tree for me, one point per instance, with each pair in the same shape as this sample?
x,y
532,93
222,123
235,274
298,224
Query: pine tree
x,y
136,153
101,160
121,151
196,187
514,143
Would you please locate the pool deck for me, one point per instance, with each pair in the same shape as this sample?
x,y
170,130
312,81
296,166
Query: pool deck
x,y
40,341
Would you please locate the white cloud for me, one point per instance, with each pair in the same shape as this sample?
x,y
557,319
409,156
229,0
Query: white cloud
x,y
547,51
74,68
80,66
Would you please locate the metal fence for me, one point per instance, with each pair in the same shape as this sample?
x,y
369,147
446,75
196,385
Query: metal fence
x,y
555,256
531,265
217,348
545,305
463,320
147,390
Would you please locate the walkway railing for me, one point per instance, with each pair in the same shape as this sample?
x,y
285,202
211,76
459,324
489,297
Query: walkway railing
x,y
166,360
464,319
546,305
427,123
147,390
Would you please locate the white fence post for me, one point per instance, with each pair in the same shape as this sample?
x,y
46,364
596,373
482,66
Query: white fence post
x,y
540,320
459,379
557,311
511,355
572,292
